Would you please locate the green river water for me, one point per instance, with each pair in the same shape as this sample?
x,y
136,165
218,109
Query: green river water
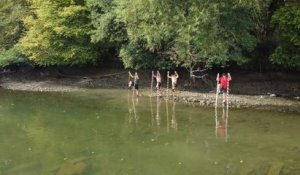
x,y
111,132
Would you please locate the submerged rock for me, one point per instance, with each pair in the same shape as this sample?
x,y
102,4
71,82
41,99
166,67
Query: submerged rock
x,y
275,168
74,167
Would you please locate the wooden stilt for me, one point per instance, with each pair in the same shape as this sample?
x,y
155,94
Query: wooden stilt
x,y
151,86
217,91
227,93
168,84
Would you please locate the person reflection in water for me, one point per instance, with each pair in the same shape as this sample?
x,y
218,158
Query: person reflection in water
x,y
173,120
158,103
221,124
132,103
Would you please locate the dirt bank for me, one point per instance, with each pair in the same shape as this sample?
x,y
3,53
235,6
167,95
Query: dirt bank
x,y
274,91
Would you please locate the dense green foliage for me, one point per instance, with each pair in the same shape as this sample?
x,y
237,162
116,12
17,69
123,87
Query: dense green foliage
x,y
287,21
11,27
57,33
151,33
11,13
179,33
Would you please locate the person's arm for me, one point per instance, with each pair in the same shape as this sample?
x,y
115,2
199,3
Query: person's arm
x,y
176,74
229,77
168,75
129,73
153,75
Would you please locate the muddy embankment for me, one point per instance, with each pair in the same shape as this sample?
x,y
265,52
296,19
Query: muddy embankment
x,y
273,91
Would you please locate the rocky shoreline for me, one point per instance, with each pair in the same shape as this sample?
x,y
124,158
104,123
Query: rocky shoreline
x,y
260,102
117,79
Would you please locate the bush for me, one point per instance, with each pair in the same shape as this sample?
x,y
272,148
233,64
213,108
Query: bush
x,y
11,56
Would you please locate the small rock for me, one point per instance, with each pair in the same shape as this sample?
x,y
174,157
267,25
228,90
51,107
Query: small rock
x,y
273,95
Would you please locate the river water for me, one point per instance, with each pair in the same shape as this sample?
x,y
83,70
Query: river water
x,y
112,132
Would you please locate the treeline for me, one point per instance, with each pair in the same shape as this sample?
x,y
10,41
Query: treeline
x,y
247,34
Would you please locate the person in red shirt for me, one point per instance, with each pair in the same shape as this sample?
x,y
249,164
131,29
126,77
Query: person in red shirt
x,y
223,85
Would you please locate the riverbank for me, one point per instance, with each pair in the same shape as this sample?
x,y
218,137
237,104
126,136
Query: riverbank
x,y
279,91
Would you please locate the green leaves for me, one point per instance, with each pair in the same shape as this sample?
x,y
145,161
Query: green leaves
x,y
11,27
57,34
11,56
187,33
149,33
11,13
287,22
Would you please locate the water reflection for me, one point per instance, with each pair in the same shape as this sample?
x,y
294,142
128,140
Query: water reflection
x,y
173,120
162,116
157,116
221,127
151,109
173,124
156,120
132,101
84,133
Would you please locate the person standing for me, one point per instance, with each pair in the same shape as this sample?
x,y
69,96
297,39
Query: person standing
x,y
135,81
158,82
173,78
223,85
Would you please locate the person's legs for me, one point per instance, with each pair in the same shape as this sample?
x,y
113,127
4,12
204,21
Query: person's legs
x,y
223,91
129,84
173,87
219,89
136,86
158,88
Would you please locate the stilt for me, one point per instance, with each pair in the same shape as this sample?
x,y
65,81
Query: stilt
x,y
151,86
217,91
216,106
168,84
227,93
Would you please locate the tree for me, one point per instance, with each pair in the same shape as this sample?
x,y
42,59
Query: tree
x,y
11,13
197,42
286,20
57,33
11,28
188,33
148,32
